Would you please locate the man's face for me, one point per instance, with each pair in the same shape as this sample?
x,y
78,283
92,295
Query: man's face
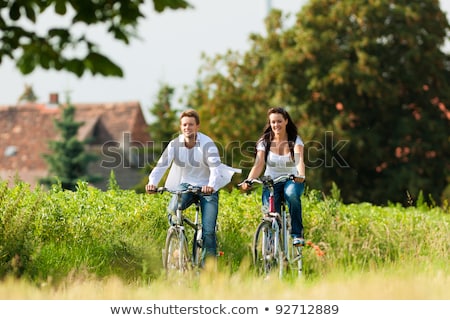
x,y
189,127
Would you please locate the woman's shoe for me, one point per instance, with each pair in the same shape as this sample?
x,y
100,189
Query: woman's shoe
x,y
298,242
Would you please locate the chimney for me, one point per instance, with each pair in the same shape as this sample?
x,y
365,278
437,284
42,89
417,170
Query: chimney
x,y
54,99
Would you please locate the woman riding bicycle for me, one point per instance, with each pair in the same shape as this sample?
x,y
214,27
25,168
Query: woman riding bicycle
x,y
280,151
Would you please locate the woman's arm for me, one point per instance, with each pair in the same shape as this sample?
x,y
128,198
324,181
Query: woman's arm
x,y
257,168
300,163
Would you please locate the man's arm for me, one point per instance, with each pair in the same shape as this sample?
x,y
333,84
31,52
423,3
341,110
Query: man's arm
x,y
161,166
214,163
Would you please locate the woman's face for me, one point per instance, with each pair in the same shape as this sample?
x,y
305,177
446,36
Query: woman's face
x,y
278,123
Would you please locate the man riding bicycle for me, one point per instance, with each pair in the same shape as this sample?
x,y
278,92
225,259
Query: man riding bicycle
x,y
194,159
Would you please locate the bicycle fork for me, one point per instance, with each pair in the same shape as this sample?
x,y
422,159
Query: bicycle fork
x,y
275,229
276,238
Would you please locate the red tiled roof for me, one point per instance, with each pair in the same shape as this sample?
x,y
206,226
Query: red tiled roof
x,y
28,128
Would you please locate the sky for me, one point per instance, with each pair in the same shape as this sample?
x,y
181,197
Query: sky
x,y
168,52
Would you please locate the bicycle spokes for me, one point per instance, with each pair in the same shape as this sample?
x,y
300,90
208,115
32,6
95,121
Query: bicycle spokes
x,y
265,248
176,255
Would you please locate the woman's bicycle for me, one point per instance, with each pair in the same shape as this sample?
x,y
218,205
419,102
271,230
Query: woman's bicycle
x,y
271,248
178,255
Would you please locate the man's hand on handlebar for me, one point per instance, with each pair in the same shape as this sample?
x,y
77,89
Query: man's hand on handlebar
x,y
150,188
207,190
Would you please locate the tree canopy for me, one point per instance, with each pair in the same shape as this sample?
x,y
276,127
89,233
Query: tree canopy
x,y
55,49
368,85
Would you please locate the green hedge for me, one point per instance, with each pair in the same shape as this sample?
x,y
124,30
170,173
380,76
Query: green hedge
x,y
52,234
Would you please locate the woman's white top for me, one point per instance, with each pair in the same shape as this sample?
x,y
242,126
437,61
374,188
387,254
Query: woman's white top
x,y
278,165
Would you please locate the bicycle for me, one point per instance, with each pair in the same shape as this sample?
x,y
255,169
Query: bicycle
x,y
176,255
270,246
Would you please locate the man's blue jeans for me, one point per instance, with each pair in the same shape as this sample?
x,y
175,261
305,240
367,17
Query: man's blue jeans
x,y
209,205
291,192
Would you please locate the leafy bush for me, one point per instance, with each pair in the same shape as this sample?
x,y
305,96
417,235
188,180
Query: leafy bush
x,y
49,235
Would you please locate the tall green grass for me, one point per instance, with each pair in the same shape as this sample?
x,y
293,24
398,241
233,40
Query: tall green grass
x,y
48,236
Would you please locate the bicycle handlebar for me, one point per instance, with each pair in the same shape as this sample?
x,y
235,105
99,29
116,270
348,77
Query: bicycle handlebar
x,y
190,189
267,180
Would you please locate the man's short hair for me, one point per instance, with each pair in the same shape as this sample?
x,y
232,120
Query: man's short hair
x,y
191,113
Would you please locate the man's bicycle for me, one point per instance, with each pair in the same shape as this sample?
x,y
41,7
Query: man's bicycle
x,y
271,248
179,254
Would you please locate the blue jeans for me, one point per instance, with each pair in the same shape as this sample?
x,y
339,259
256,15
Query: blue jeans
x,y
291,192
209,205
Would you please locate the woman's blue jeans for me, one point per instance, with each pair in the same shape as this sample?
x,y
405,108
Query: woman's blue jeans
x,y
209,205
290,191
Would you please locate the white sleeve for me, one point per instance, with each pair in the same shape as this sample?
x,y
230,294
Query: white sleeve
x,y
161,166
214,162
261,146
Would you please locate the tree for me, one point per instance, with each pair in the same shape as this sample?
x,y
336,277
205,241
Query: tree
x,y
68,163
165,125
235,90
27,95
163,128
369,85
54,50
381,82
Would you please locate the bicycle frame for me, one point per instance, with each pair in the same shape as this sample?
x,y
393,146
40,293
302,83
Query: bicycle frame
x,y
279,225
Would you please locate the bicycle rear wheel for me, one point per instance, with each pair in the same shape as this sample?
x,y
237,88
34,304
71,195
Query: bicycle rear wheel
x,y
266,248
296,255
291,260
176,256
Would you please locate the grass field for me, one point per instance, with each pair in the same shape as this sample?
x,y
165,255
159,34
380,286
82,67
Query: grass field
x,y
214,285
91,244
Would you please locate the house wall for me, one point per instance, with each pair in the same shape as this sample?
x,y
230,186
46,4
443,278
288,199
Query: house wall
x,y
127,176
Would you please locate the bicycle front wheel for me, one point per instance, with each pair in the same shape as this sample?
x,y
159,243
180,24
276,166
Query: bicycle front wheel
x,y
176,256
266,248
197,248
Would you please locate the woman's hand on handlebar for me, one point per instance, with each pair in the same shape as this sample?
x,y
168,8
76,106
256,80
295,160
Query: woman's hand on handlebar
x,y
299,179
245,185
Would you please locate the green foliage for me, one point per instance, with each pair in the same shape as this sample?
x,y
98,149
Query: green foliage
x,y
363,83
31,49
112,182
17,243
163,128
166,123
378,86
335,192
68,163
47,236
